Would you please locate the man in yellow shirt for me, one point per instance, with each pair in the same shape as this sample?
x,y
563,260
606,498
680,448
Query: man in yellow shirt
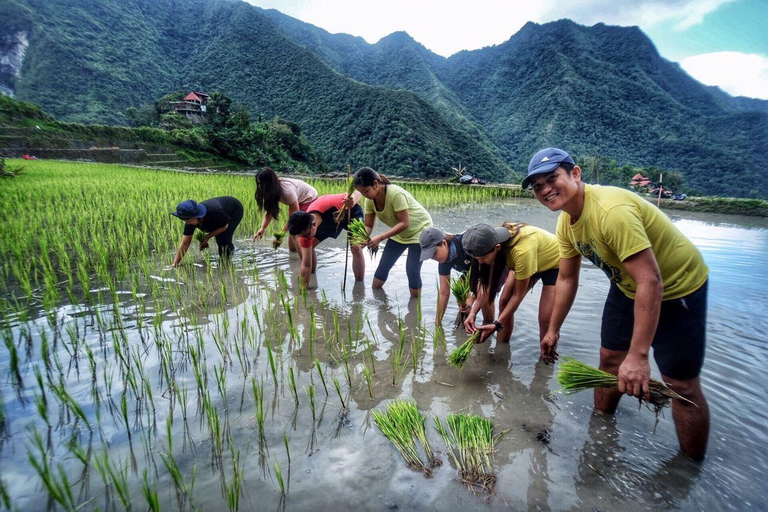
x,y
658,294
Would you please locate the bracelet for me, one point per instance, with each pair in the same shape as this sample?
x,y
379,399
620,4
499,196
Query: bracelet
x,y
498,325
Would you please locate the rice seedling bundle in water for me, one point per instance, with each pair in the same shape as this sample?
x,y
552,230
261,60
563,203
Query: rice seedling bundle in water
x,y
471,443
460,356
279,235
200,236
575,376
461,290
403,424
358,234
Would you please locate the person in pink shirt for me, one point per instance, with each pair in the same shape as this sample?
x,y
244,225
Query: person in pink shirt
x,y
318,223
271,191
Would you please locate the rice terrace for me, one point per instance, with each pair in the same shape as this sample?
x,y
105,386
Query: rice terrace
x,y
129,384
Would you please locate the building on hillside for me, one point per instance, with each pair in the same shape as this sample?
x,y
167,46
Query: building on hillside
x,y
193,106
639,181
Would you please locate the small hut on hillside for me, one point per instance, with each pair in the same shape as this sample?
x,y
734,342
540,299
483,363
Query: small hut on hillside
x,y
192,106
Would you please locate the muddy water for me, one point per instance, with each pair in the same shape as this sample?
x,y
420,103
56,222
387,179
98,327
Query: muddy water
x,y
557,454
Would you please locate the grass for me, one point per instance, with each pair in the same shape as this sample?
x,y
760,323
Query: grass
x,y
574,376
403,425
460,356
471,443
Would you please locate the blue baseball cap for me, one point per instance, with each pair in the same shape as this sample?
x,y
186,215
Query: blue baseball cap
x,y
545,161
190,209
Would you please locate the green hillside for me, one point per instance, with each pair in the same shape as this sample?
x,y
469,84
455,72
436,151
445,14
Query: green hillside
x,y
393,105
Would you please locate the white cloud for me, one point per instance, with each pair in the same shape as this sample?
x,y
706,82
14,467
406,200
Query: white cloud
x,y
738,74
645,13
448,26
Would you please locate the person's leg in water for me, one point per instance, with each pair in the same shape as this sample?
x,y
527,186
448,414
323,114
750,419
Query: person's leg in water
x,y
392,251
224,240
413,269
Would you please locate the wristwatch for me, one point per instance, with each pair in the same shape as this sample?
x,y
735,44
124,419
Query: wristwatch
x,y
498,325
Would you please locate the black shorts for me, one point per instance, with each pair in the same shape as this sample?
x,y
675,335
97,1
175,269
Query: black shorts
x,y
329,228
548,277
680,340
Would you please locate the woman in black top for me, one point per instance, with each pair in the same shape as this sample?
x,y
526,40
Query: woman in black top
x,y
218,217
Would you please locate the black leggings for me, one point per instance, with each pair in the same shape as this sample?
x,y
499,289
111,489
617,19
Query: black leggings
x,y
224,240
392,251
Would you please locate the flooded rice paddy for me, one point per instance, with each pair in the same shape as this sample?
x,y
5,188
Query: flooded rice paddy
x,y
208,390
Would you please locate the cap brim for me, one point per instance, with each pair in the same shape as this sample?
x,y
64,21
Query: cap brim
x,y
427,253
502,235
541,169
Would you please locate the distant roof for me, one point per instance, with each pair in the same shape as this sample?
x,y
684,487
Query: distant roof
x,y
196,96
638,177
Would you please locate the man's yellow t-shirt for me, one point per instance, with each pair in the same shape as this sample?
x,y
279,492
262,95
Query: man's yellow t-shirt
x,y
617,224
397,200
535,251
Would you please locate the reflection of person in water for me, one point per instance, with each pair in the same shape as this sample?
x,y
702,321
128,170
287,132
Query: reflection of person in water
x,y
606,480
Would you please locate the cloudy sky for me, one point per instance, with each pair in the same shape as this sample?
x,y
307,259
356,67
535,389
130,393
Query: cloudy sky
x,y
718,42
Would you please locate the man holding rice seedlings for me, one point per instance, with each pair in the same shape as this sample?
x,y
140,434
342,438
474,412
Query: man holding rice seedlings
x,y
217,217
528,254
658,293
317,224
447,250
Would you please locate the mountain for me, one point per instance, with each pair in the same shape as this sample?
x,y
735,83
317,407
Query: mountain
x,y
89,60
589,89
394,104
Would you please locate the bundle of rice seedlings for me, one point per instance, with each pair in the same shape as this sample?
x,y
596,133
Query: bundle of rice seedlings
x,y
339,215
471,444
200,236
460,356
402,424
279,235
575,376
461,290
358,235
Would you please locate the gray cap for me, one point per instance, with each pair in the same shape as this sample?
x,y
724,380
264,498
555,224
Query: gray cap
x,y
429,240
479,240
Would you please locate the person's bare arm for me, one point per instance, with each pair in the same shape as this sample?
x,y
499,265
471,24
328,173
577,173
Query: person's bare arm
x,y
404,220
186,240
565,291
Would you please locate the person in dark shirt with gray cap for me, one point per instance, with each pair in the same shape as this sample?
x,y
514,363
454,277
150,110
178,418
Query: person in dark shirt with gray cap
x,y
447,250
217,217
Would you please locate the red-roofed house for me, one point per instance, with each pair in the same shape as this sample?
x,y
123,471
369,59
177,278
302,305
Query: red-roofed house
x,y
192,106
638,180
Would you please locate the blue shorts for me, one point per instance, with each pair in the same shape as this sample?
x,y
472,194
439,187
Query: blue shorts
x,y
680,340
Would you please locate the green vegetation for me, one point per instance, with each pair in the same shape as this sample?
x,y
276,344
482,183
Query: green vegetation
x,y
575,376
461,355
471,443
461,290
403,424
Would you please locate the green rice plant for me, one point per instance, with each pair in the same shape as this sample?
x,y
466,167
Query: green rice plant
x,y
287,449
292,384
460,356
279,476
408,411
574,376
115,477
200,236
471,444
278,239
461,290
322,376
368,381
338,392
358,235
57,486
272,364
311,395
258,400
150,492
399,424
